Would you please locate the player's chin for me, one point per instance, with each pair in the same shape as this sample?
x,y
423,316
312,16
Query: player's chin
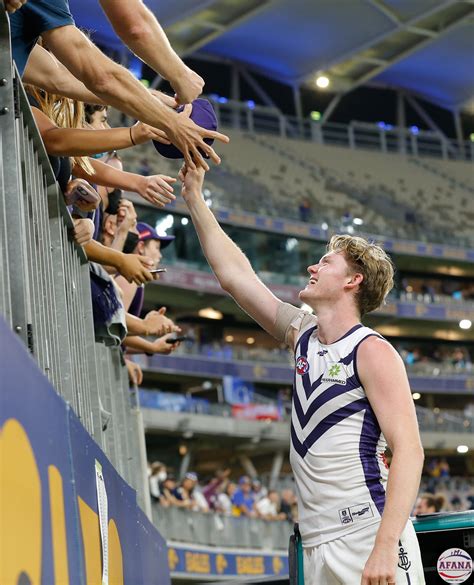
x,y
304,295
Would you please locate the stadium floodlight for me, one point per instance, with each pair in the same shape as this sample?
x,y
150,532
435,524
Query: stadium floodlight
x,y
210,313
462,448
250,340
465,324
416,396
229,338
322,81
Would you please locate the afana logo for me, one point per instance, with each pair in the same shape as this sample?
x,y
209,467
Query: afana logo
x,y
302,365
454,565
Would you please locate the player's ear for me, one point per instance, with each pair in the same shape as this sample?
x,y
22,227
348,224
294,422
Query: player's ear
x,y
354,279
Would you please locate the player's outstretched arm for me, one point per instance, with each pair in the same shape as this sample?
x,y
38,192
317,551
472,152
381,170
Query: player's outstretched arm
x,y
389,395
230,265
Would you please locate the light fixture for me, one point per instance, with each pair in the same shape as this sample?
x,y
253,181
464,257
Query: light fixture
x,y
416,396
163,224
210,313
250,104
229,338
462,448
322,81
184,221
324,226
182,450
465,324
250,340
357,221
315,116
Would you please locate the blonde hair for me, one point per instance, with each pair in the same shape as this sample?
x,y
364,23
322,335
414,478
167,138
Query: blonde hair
x,y
65,113
373,263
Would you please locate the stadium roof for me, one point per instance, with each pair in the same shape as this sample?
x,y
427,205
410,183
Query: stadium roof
x,y
423,46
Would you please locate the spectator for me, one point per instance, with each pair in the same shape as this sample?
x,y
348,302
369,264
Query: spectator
x,y
304,210
288,505
243,498
268,507
184,494
223,503
109,81
429,504
259,492
167,489
216,485
157,476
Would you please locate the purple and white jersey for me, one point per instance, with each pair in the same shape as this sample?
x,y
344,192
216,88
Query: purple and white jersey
x,y
337,448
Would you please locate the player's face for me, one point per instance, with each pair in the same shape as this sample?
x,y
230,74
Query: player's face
x,y
327,279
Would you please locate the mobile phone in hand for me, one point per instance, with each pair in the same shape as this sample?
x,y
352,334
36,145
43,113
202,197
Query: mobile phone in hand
x,y
157,270
179,338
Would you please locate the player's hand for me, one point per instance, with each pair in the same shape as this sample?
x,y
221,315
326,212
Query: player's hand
x,y
141,133
13,5
136,268
188,85
83,231
158,324
135,374
156,189
192,181
188,137
381,566
160,345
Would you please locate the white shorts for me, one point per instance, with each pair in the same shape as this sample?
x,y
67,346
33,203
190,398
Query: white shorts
x,y
342,561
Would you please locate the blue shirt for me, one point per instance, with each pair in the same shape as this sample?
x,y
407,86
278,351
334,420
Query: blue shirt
x,y
31,21
240,498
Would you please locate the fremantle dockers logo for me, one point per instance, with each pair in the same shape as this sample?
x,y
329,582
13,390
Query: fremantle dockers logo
x,y
302,365
403,560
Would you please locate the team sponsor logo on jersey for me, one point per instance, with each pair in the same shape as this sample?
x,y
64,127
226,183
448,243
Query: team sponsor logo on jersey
x,y
355,513
335,373
302,365
454,565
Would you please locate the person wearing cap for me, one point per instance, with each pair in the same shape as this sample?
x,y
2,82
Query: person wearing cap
x,y
243,499
184,494
147,242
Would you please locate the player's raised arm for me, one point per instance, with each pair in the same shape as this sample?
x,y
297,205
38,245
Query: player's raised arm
x,y
230,265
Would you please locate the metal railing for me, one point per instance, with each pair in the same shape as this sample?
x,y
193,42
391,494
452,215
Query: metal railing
x,y
215,529
45,286
380,137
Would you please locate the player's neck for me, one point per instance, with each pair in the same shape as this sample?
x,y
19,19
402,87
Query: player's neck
x,y
334,322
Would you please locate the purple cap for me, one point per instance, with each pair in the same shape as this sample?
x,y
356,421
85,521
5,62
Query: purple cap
x,y
146,232
203,115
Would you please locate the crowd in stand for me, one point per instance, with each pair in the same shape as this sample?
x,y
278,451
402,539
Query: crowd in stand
x,y
248,497
439,492
244,497
70,84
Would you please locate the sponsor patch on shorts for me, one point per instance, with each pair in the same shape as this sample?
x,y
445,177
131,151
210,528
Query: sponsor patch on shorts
x,y
355,513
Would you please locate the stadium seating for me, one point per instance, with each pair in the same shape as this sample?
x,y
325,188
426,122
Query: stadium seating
x,y
406,197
